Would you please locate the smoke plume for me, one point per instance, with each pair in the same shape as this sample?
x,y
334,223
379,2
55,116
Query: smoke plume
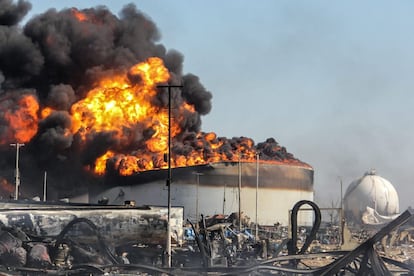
x,y
60,63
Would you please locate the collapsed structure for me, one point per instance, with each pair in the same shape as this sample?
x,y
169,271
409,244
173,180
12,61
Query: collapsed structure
x,y
90,244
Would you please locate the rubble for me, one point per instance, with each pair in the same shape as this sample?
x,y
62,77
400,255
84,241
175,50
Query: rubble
x,y
213,245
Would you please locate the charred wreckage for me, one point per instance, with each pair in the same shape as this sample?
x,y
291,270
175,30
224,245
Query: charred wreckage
x,y
74,239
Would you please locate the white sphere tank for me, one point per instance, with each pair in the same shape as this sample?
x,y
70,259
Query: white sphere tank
x,y
371,191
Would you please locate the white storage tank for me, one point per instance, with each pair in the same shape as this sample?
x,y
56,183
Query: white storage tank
x,y
371,194
214,189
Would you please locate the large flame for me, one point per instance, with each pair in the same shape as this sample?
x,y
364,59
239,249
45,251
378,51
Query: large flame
x,y
119,105
128,107
116,103
22,120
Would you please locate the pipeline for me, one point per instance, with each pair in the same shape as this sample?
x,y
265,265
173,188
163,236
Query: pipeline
x,y
292,244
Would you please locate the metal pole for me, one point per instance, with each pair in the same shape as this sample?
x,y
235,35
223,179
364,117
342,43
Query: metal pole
x,y
17,179
257,192
198,184
224,198
342,203
342,214
169,178
240,224
44,186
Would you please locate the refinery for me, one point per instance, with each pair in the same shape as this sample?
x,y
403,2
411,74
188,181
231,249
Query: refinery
x,y
105,169
221,235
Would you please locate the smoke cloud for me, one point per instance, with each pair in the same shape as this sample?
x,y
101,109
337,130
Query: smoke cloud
x,y
54,60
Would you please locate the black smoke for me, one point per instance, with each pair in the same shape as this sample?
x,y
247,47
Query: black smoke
x,y
59,58
11,13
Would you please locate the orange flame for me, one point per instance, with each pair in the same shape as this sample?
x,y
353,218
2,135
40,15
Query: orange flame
x,y
118,105
23,120
46,112
100,163
80,16
123,105
6,185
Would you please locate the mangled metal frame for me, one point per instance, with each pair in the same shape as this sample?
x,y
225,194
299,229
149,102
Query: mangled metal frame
x,y
370,263
363,260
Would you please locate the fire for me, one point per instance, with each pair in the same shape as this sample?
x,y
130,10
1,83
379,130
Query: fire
x,y
5,185
80,16
125,103
120,104
128,107
100,163
22,120
46,112
76,97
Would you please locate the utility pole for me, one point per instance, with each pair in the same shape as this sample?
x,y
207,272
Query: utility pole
x,y
169,178
17,180
45,186
257,192
342,199
342,214
240,224
224,198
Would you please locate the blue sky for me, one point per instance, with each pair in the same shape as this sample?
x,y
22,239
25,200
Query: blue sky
x,y
329,80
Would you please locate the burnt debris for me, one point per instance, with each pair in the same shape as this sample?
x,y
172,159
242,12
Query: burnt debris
x,y
212,245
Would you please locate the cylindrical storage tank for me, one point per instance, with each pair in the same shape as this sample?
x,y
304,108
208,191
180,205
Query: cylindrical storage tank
x,y
214,189
371,191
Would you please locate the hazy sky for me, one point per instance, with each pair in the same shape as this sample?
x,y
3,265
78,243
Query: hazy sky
x,y
329,80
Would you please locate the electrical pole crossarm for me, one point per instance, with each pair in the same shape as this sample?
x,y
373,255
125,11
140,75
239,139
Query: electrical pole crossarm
x,y
169,86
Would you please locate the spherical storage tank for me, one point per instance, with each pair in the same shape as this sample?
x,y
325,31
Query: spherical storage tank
x,y
370,191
